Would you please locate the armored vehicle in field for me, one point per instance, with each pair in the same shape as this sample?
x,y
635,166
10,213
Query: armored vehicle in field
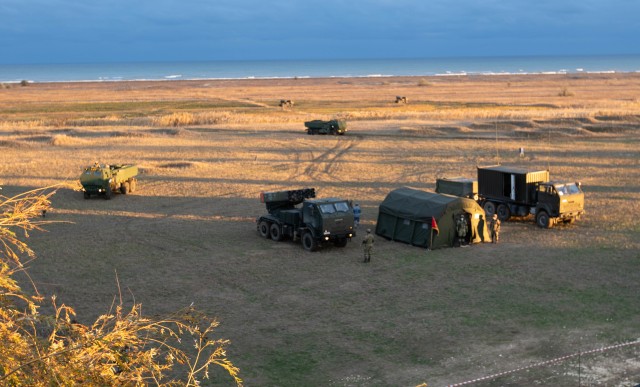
x,y
509,191
106,179
315,222
326,127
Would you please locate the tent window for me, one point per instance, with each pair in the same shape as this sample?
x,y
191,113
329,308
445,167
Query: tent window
x,y
425,226
406,222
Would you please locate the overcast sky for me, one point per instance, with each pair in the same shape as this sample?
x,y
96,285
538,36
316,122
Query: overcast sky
x,y
80,31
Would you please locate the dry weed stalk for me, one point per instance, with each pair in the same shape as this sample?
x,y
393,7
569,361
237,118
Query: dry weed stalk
x,y
119,348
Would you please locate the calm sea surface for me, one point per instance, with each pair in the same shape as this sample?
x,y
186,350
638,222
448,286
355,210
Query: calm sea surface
x,y
318,68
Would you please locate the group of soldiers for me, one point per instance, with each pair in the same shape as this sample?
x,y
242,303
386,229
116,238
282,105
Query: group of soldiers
x,y
462,226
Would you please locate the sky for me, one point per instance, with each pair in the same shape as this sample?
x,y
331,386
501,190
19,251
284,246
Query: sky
x,y
92,31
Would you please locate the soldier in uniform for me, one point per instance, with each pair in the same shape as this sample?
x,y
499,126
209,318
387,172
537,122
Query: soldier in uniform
x,y
356,215
367,245
461,228
494,228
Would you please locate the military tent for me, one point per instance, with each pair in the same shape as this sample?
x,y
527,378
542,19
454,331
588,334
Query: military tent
x,y
406,215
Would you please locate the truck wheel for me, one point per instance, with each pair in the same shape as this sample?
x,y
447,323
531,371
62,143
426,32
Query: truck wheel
x,y
308,242
276,233
107,194
342,242
124,188
489,209
504,213
87,195
543,220
132,185
263,228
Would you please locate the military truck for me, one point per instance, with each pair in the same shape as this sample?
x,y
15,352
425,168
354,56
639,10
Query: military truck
x,y
326,127
315,222
106,179
510,191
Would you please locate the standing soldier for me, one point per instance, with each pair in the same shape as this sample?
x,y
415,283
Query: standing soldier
x,y
461,228
367,245
494,227
356,215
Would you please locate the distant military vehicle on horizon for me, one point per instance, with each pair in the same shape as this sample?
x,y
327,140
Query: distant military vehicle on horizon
x,y
326,127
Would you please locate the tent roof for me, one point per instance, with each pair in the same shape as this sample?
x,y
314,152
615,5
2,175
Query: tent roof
x,y
415,204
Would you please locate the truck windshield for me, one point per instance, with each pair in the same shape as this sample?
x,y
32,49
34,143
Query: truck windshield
x,y
342,207
567,189
327,208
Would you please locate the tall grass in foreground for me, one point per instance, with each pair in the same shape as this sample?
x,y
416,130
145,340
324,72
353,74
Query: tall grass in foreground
x,y
122,347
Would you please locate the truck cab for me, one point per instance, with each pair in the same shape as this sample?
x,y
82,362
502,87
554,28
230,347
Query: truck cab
x,y
95,179
558,202
329,218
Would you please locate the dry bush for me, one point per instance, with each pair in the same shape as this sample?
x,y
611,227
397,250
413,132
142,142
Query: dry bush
x,y
565,92
64,140
13,144
109,121
424,83
22,125
119,348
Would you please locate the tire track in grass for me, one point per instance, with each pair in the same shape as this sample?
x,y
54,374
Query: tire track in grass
x,y
328,162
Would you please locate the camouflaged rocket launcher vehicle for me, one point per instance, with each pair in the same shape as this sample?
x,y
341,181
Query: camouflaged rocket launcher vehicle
x,y
106,179
326,127
316,222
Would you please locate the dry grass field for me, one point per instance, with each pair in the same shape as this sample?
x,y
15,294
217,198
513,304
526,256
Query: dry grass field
x,y
206,149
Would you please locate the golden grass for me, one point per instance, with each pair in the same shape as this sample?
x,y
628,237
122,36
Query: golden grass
x,y
206,149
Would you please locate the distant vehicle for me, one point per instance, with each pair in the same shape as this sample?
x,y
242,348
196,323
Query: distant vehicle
x,y
106,179
316,222
326,127
509,191
401,99
286,103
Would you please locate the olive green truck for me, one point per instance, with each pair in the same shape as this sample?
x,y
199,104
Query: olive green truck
x,y
333,127
316,222
106,179
512,191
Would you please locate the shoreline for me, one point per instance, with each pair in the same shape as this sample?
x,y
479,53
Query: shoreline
x,y
397,78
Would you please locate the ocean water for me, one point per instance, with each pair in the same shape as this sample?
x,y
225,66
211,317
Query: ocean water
x,y
318,68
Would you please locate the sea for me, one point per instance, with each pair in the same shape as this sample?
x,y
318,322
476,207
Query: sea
x,y
338,68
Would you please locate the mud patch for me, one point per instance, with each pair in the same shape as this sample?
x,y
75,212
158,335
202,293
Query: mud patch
x,y
178,132
14,144
607,128
130,134
40,139
177,165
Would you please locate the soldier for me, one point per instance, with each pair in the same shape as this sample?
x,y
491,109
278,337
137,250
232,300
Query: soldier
x,y
356,215
494,228
461,228
367,245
